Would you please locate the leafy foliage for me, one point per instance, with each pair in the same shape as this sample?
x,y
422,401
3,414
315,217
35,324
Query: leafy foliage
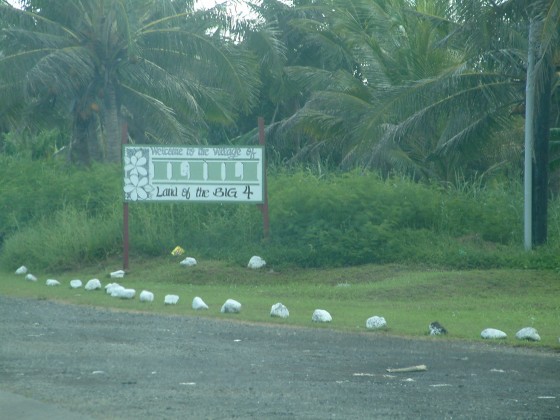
x,y
428,90
58,216
43,145
358,218
210,229
33,190
406,92
162,66
65,240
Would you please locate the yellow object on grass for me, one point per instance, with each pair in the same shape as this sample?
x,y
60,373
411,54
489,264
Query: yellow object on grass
x,y
178,251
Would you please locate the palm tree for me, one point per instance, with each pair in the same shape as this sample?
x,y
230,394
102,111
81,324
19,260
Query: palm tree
x,y
159,64
276,39
406,94
433,83
539,22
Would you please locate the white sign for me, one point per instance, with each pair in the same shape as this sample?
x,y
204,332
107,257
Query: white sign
x,y
205,174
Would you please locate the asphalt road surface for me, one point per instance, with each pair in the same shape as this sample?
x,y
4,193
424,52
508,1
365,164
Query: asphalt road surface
x,y
63,362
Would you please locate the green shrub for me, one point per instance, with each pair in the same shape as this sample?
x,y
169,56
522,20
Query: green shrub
x,y
32,190
58,216
349,219
42,145
214,230
66,240
493,212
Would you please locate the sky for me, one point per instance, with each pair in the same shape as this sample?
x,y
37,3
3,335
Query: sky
x,y
203,4
238,9
234,6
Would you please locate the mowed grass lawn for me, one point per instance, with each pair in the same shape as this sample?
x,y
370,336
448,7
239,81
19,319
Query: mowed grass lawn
x,y
464,302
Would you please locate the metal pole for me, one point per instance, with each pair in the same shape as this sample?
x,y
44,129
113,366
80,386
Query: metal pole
x,y
529,137
124,140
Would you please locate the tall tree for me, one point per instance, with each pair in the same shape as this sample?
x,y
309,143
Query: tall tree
x,y
539,22
278,42
159,64
409,92
436,85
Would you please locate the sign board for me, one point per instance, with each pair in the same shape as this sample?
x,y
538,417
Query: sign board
x,y
197,174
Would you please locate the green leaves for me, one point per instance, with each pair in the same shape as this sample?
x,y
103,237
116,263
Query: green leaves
x,y
416,87
333,220
167,71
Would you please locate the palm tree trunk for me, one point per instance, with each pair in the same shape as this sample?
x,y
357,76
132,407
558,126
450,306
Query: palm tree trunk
x,y
95,143
79,150
111,123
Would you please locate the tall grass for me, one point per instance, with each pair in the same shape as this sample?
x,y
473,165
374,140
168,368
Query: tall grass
x,y
356,218
33,190
58,217
68,239
210,229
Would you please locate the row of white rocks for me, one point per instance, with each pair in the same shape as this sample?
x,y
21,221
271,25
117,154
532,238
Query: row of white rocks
x,y
277,310
526,333
255,262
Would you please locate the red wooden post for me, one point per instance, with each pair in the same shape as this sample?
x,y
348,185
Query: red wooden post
x,y
264,205
124,140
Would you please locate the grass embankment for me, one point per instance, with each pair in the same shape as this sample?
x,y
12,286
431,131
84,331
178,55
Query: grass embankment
x,y
465,302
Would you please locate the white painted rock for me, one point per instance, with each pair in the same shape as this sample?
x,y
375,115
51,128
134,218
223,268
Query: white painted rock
x,y
171,299
119,274
528,333
52,282
231,306
21,270
146,296
93,284
492,333
30,277
376,322
188,262
256,262
279,310
436,329
198,303
126,293
75,284
116,290
320,315
109,287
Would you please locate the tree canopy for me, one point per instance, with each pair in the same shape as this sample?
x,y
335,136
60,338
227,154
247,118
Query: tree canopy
x,y
159,64
434,89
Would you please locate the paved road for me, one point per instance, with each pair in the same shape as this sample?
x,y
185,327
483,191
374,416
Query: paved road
x,y
67,362
14,406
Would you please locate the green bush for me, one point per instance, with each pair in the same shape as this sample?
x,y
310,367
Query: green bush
x,y
42,145
67,239
214,230
493,213
354,218
32,190
58,216
348,219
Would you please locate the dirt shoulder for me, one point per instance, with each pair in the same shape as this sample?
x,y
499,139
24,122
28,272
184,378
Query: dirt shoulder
x,y
117,365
